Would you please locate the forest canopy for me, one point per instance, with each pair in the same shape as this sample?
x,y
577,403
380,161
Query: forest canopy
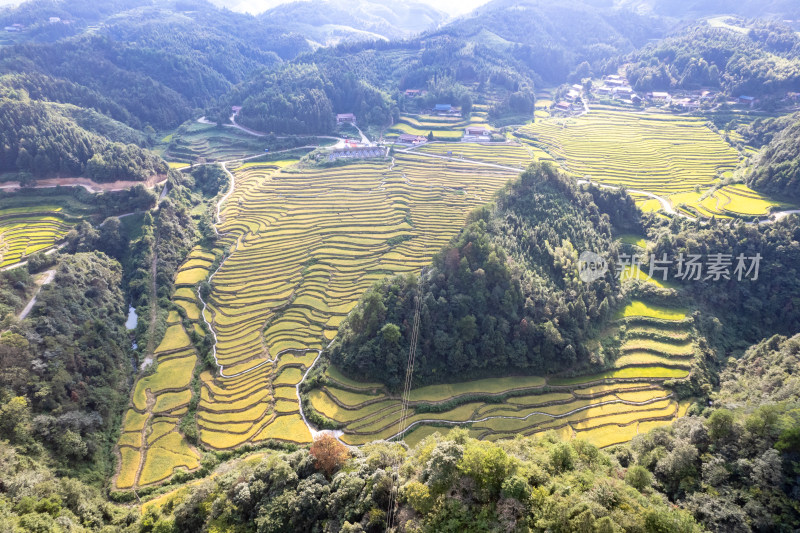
x,y
42,142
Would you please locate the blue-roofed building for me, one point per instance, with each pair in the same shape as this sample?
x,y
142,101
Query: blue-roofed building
x,y
442,107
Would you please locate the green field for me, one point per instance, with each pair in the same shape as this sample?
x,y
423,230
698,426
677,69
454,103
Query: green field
x,y
194,140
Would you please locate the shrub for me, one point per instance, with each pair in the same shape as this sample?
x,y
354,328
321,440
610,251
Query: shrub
x,y
638,477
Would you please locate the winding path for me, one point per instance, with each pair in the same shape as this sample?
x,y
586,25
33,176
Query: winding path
x,y
46,278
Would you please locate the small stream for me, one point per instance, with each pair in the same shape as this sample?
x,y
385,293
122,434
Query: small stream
x,y
130,325
133,318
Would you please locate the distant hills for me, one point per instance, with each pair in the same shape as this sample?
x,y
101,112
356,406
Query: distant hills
x,y
333,21
684,9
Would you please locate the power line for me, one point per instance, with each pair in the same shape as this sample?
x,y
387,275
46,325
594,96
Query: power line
x,y
412,353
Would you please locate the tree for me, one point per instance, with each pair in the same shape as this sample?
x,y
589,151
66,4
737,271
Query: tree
x,y
329,454
15,419
430,136
562,457
638,477
720,424
418,496
488,465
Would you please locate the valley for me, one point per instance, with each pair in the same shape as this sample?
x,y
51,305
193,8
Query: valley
x,y
396,269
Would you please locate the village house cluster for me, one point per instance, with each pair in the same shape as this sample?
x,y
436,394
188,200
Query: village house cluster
x,y
616,87
18,28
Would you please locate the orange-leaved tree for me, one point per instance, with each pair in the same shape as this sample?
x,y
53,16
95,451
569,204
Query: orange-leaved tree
x,y
329,454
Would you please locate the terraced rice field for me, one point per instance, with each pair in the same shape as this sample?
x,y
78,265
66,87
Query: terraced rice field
x,y
195,140
605,408
25,234
305,246
602,409
443,128
151,448
517,156
27,230
655,337
726,202
658,153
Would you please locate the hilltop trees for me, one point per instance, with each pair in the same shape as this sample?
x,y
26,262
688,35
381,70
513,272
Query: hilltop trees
x,y
495,299
329,454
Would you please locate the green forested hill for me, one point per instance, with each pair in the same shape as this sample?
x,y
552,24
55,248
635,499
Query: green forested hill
x,y
38,140
63,371
158,62
504,49
682,9
749,309
761,61
503,296
776,169
552,39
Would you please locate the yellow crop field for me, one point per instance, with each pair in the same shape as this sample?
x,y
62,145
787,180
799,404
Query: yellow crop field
x,y
518,156
658,153
639,308
303,245
191,276
170,400
129,465
349,398
134,421
333,374
131,438
726,202
174,339
301,242
287,427
157,403
608,435
171,374
434,393
162,462
740,199
443,128
24,231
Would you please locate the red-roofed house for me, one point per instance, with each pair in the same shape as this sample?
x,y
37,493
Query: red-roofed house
x,y
407,138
